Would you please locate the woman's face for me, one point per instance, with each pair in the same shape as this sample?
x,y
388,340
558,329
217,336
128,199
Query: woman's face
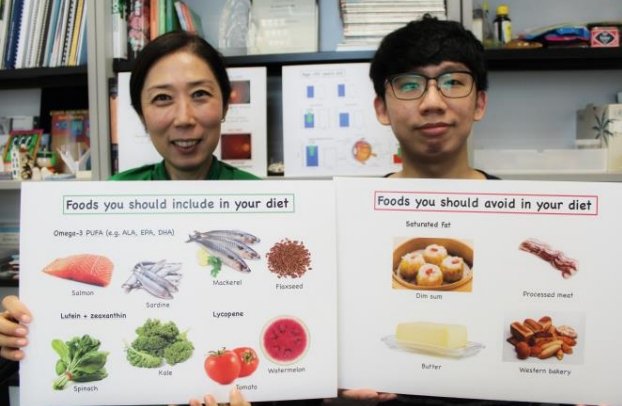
x,y
182,112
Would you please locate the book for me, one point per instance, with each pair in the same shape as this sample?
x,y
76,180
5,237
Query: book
x,y
153,19
69,132
161,17
34,48
119,29
5,15
171,20
22,39
38,62
66,40
137,27
55,9
189,20
82,55
13,34
72,59
61,28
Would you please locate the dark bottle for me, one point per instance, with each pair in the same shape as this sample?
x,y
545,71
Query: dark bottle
x,y
502,26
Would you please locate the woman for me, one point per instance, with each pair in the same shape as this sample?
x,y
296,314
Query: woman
x,y
180,89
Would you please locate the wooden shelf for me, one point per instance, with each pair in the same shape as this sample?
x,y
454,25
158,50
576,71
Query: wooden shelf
x,y
554,59
9,283
44,77
10,185
498,59
273,62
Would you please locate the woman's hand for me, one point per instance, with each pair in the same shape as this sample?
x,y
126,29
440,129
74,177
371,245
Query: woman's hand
x,y
366,394
235,399
13,328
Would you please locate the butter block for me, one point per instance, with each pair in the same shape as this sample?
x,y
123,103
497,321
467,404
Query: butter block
x,y
450,336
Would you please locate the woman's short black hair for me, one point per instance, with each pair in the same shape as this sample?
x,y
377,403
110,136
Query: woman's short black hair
x,y
427,41
167,44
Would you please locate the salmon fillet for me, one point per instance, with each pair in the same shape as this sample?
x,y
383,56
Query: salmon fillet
x,y
85,268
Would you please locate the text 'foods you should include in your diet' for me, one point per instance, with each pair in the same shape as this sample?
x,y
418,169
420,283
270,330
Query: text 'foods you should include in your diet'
x,y
225,247
432,264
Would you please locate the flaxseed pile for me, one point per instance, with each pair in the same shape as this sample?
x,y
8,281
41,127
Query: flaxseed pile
x,y
289,258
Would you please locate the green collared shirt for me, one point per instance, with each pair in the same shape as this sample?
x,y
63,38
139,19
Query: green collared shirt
x,y
217,171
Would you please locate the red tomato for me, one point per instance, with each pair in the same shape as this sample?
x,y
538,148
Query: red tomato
x,y
248,359
223,366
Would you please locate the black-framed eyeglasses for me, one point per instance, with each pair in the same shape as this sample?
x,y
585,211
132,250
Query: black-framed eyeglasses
x,y
412,86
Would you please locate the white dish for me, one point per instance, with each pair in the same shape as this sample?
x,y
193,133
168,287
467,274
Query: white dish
x,y
468,350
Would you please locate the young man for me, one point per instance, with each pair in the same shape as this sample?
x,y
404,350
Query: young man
x,y
430,81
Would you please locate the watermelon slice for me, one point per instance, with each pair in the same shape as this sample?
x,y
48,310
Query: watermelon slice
x,y
85,268
285,340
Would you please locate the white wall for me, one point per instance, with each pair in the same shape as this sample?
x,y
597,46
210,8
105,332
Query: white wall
x,y
537,109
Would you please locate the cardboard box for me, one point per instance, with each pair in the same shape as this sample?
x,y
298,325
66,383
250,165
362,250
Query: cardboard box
x,y
603,123
605,37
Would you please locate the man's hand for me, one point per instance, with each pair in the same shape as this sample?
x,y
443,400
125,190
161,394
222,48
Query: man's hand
x,y
235,399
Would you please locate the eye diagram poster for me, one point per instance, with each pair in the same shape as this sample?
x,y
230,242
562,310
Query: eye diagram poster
x,y
329,123
496,290
153,293
243,142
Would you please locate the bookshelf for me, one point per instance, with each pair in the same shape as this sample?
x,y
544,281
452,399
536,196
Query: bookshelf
x,y
93,80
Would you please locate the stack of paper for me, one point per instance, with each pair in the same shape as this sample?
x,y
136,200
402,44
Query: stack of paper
x,y
366,22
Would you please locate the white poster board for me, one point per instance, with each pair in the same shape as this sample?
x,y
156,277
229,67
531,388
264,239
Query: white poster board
x,y
562,277
102,258
243,133
329,123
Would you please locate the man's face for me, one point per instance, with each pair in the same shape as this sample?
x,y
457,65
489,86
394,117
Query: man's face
x,y
433,127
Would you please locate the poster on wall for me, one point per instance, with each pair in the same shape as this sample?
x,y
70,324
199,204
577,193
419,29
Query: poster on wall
x,y
144,297
505,283
330,126
243,140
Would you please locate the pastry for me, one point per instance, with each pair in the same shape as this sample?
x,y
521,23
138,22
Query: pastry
x,y
410,264
429,275
452,268
434,254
